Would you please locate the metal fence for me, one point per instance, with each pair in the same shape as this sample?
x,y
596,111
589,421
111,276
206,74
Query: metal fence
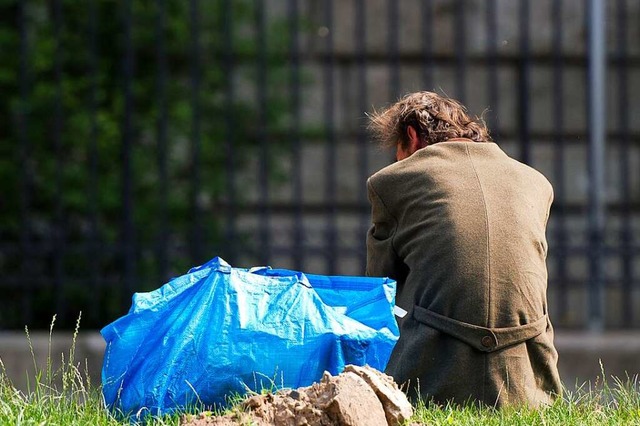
x,y
140,139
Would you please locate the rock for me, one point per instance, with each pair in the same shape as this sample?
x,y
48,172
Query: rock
x,y
396,406
349,401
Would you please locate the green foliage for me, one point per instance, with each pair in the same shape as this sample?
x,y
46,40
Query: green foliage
x,y
63,133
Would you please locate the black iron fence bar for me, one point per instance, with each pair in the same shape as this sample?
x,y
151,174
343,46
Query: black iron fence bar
x,y
28,165
363,142
94,250
161,130
624,157
570,138
572,252
557,111
427,44
261,68
228,67
492,76
504,60
575,283
42,282
597,134
57,233
280,250
573,137
461,51
330,167
524,70
394,50
128,237
57,246
568,208
296,168
195,240
575,250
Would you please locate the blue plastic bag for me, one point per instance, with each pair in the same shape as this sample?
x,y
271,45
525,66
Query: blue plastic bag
x,y
220,330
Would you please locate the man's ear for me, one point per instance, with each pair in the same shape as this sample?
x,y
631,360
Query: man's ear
x,y
414,140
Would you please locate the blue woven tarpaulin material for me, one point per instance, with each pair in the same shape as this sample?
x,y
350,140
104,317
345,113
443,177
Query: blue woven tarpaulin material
x,y
220,330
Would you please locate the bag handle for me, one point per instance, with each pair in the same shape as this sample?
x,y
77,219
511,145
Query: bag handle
x,y
216,263
267,271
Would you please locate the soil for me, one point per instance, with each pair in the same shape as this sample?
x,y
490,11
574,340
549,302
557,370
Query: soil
x,y
359,396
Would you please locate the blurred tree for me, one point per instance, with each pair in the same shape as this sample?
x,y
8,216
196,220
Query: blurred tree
x,y
65,116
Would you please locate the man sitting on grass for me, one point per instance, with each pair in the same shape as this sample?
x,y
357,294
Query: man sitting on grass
x,y
461,227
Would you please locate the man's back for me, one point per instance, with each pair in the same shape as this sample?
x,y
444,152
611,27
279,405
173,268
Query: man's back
x,y
461,227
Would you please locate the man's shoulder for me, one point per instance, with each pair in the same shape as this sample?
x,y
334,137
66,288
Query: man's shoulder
x,y
389,183
417,167
511,170
385,173
535,176
445,160
493,152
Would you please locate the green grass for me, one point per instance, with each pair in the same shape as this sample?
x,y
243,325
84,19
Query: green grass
x,y
67,397
618,404
53,397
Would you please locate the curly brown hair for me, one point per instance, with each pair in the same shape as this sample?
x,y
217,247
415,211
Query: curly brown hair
x,y
435,118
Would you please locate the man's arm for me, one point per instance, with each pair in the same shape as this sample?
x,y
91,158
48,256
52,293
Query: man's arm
x,y
382,259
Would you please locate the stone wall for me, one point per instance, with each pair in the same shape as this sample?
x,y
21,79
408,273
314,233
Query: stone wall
x,y
582,355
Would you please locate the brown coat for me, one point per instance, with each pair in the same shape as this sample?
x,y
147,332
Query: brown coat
x,y
461,227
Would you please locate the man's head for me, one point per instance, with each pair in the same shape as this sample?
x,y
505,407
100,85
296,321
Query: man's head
x,y
424,118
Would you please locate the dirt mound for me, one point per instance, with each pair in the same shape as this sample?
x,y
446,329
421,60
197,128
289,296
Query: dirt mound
x,y
359,396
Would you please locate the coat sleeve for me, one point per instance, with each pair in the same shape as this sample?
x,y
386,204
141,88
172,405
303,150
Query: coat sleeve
x,y
382,259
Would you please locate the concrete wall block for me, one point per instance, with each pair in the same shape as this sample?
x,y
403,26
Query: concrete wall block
x,y
582,357
21,366
350,156
575,229
580,354
442,28
541,91
541,31
616,156
576,314
316,173
575,176
350,231
350,104
614,108
575,173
